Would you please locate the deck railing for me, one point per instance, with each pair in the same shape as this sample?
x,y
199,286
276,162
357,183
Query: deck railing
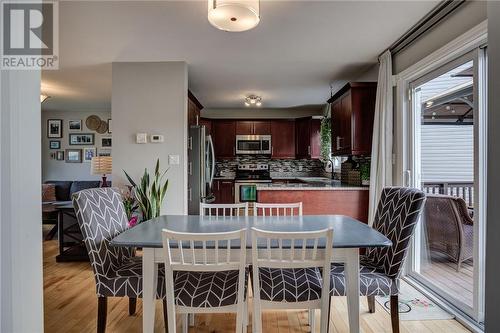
x,y
462,190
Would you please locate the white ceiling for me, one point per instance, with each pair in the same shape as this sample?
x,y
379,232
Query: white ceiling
x,y
289,59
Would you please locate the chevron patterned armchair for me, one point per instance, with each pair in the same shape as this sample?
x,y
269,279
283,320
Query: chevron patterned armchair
x,y
117,271
397,214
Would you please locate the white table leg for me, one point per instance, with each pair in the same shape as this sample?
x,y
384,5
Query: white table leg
x,y
352,288
149,286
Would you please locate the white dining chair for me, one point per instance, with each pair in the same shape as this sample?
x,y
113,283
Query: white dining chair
x,y
278,209
224,209
286,272
203,275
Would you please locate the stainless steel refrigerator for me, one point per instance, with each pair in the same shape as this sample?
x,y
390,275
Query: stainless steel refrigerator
x,y
201,168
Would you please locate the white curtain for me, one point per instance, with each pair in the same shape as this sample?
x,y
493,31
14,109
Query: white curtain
x,y
381,160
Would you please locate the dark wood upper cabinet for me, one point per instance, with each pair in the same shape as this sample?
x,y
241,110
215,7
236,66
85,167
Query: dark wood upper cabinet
x,y
262,127
208,125
247,127
224,137
307,137
244,127
194,108
353,109
283,138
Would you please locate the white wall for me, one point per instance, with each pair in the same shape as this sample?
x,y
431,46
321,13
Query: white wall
x,y
21,293
462,20
151,98
60,170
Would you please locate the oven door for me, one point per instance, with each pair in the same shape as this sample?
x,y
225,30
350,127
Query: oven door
x,y
245,192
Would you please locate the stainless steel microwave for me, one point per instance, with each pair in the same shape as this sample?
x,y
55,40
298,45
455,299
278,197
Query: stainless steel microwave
x,y
253,144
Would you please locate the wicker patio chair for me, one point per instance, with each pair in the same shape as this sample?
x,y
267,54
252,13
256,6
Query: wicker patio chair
x,y
450,228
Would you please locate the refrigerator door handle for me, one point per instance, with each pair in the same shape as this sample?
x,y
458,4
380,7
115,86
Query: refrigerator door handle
x,y
212,152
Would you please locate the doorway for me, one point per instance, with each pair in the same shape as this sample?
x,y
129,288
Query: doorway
x,y
446,153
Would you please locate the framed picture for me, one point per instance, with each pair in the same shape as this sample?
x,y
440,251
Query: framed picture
x,y
75,125
88,154
106,142
81,139
109,126
73,156
104,152
54,128
55,144
60,155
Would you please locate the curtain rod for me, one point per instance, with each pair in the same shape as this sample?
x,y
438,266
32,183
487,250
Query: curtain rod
x,y
436,15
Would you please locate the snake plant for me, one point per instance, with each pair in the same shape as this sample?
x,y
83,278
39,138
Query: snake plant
x,y
150,192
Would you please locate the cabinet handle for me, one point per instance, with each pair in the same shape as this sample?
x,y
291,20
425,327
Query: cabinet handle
x,y
190,196
309,150
272,150
190,168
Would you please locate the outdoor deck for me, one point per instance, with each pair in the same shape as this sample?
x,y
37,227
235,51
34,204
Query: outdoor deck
x,y
444,274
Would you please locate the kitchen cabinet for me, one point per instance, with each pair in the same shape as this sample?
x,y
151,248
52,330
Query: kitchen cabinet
x,y
223,191
253,127
224,137
307,137
208,125
194,108
353,109
283,138
348,202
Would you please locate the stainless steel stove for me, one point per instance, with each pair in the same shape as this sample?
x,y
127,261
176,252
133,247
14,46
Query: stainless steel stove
x,y
248,176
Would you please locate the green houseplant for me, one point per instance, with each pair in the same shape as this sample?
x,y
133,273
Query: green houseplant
x,y
150,191
326,139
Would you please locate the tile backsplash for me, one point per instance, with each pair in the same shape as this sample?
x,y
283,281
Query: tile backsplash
x,y
278,167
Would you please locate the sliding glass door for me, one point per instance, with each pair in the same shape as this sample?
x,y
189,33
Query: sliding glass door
x,y
446,133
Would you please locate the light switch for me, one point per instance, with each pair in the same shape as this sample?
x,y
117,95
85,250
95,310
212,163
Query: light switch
x,y
173,159
156,138
141,138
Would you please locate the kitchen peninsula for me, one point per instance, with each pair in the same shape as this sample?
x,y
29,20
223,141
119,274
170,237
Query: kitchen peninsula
x,y
319,196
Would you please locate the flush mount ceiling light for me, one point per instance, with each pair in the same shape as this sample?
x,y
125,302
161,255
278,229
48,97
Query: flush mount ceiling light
x,y
234,15
253,100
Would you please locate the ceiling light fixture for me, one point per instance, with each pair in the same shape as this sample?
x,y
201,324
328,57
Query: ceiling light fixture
x,y
43,98
234,15
253,100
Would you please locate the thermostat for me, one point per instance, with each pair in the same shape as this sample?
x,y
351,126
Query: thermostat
x,y
155,138
141,138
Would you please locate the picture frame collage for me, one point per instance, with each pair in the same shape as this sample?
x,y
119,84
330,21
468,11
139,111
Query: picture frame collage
x,y
84,143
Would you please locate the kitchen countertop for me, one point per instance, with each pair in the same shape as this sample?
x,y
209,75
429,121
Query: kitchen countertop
x,y
309,184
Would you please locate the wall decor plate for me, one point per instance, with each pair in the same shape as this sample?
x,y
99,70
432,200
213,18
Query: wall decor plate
x,y
93,122
86,139
103,127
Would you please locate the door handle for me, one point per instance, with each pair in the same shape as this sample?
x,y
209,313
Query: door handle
x,y
407,178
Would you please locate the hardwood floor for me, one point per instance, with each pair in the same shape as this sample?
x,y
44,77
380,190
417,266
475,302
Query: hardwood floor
x,y
71,306
441,271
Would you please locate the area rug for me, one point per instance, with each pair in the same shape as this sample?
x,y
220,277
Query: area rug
x,y
415,306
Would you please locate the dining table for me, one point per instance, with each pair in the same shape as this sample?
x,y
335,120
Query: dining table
x,y
349,236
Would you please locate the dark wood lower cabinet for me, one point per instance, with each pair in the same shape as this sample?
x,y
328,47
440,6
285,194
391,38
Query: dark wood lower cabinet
x,y
223,191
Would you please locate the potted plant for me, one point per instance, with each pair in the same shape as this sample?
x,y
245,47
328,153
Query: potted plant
x,y
150,192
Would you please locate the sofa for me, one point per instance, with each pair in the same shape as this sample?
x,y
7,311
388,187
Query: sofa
x,y
60,191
